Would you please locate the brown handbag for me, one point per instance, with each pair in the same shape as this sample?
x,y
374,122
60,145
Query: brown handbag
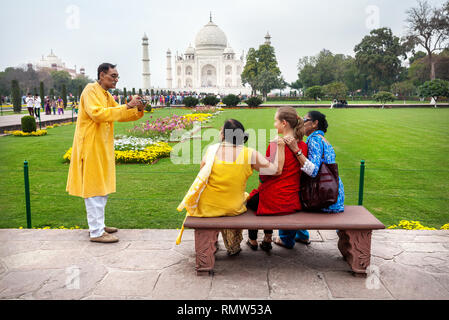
x,y
322,191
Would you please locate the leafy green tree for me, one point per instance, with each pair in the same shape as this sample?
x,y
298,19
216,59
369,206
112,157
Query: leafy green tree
x,y
75,84
140,92
52,93
384,97
336,90
314,92
249,73
378,57
404,89
261,71
434,89
16,96
296,85
60,78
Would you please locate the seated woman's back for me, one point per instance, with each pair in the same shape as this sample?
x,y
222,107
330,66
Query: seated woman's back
x,y
224,194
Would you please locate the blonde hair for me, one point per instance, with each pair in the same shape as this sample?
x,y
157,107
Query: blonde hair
x,y
290,115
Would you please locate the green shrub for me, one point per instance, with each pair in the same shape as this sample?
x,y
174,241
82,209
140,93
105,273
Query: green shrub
x,y
254,102
210,101
28,124
148,107
16,97
231,100
190,102
384,96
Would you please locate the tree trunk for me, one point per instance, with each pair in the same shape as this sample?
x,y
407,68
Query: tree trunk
x,y
432,67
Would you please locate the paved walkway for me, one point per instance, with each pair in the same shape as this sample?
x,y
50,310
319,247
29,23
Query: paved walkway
x,y
146,264
15,119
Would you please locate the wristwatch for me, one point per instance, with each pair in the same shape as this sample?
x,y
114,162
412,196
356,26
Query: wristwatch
x,y
299,153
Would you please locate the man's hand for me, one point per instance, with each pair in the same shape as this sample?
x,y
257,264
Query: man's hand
x,y
136,102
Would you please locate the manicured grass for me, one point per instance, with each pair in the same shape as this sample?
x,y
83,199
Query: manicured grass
x,y
328,102
406,170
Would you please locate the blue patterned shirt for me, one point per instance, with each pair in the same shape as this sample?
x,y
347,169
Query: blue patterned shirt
x,y
318,151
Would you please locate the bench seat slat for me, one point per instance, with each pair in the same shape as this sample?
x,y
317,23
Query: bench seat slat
x,y
354,218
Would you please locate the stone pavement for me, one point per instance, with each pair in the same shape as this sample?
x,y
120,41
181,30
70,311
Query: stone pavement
x,y
12,122
146,264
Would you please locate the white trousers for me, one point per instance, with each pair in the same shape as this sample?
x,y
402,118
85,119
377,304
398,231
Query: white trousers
x,y
95,215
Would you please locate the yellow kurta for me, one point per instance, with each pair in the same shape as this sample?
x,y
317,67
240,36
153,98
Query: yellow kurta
x,y
92,165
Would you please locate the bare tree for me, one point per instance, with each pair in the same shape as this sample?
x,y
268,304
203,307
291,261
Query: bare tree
x,y
429,28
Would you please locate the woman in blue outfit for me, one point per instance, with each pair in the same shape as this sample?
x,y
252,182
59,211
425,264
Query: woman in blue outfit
x,y
319,150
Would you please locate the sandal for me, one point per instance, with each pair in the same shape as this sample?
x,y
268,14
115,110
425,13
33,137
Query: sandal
x,y
279,242
266,246
252,246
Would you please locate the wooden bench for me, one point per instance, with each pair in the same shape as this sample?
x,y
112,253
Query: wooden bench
x,y
354,227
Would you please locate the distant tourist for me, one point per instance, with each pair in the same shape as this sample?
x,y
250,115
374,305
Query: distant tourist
x,y
47,106
60,104
53,105
92,166
37,105
29,100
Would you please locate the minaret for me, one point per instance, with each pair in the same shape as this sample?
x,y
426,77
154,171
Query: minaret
x,y
146,79
268,39
169,74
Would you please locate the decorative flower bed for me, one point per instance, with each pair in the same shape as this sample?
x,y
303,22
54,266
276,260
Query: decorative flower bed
x,y
60,125
162,128
207,109
415,225
147,142
19,133
150,154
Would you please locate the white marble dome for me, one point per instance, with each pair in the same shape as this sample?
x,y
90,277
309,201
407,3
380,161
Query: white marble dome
x,y
211,36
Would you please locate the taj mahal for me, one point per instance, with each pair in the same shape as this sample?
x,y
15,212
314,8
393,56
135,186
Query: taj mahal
x,y
211,66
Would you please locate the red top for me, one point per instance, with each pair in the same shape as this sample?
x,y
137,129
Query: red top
x,y
280,194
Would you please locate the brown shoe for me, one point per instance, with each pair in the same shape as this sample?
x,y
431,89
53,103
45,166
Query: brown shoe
x,y
105,238
110,229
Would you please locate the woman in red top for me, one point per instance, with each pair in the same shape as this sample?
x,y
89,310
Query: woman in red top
x,y
279,194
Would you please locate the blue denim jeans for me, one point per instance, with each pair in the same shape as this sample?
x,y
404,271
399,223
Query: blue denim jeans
x,y
288,236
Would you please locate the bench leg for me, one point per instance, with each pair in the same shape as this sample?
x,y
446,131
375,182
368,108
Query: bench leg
x,y
355,246
205,240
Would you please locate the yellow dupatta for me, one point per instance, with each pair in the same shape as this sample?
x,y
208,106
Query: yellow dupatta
x,y
191,199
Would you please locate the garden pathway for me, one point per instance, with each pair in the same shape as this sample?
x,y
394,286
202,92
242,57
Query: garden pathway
x,y
10,121
146,264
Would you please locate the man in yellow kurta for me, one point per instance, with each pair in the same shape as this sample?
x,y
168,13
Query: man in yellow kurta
x,y
92,164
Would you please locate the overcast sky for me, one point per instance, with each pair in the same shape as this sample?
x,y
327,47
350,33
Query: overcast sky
x,y
89,32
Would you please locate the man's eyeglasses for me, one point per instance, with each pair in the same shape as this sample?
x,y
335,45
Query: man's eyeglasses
x,y
307,120
114,76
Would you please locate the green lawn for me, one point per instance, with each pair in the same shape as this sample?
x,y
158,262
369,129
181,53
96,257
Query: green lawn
x,y
328,102
405,150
